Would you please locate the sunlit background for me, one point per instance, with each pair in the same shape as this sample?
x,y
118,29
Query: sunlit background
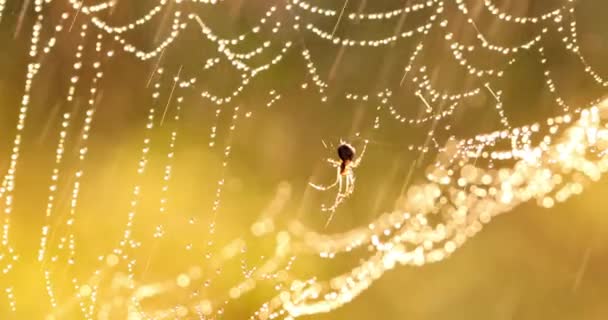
x,y
209,189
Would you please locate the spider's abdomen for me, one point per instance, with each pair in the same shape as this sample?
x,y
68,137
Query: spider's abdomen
x,y
346,152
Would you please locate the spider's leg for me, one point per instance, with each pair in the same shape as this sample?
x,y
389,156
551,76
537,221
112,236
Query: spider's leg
x,y
358,160
350,179
324,188
332,209
340,192
333,162
339,195
324,145
347,187
331,216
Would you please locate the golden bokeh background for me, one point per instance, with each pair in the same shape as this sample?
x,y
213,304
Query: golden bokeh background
x,y
530,263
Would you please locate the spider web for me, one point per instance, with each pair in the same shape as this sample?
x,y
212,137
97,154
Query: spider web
x,y
191,211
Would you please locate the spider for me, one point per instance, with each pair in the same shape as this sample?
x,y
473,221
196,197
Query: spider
x,y
345,177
